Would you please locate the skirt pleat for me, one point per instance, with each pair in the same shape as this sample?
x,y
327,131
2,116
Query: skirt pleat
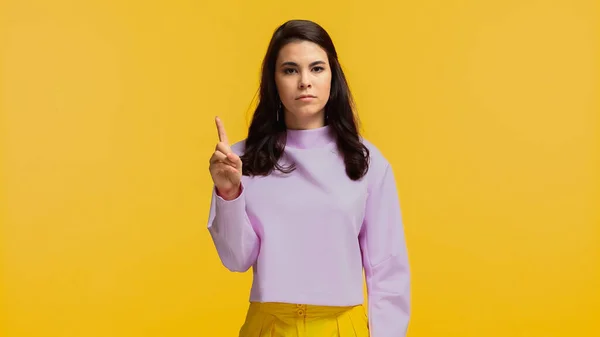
x,y
258,325
358,322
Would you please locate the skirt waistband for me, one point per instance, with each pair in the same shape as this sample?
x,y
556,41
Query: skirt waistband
x,y
307,311
301,320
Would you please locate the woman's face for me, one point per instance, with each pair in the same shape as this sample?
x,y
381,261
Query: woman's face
x,y
303,79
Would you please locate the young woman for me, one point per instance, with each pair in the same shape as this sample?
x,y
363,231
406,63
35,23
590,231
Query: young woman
x,y
309,204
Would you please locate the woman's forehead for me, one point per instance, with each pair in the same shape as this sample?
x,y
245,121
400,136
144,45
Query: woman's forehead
x,y
301,53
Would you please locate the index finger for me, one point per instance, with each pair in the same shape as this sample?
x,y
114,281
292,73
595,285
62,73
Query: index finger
x,y
221,131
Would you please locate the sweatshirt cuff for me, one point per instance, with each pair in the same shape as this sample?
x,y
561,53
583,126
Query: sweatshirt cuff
x,y
230,206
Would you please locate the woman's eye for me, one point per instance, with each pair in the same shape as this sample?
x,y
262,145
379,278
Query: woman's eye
x,y
318,69
289,71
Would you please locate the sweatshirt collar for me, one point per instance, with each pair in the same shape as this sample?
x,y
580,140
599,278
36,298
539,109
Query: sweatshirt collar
x,y
310,138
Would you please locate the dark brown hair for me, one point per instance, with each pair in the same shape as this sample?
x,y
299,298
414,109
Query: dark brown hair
x,y
266,135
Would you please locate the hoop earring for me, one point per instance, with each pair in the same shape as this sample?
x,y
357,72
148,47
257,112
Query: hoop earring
x,y
278,110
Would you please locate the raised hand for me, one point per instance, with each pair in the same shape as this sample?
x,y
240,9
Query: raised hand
x,y
225,166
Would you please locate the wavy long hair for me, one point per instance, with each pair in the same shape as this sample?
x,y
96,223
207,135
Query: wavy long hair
x,y
265,142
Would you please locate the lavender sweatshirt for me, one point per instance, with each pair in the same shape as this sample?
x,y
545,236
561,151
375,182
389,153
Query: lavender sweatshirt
x,y
308,234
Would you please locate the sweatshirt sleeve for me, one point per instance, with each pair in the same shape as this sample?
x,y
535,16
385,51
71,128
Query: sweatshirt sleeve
x,y
232,233
385,259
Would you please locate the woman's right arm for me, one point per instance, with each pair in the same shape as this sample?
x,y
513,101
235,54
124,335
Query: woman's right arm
x,y
235,239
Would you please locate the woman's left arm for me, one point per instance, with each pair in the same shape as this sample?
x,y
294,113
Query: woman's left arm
x,y
385,258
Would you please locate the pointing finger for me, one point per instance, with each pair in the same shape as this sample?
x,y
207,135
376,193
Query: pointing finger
x,y
221,131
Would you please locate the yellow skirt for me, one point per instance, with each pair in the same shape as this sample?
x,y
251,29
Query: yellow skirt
x,y
300,320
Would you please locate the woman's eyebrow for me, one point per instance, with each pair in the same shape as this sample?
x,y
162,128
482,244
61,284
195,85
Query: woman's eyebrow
x,y
294,64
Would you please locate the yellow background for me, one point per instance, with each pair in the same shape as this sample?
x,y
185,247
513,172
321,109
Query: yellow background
x,y
488,111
